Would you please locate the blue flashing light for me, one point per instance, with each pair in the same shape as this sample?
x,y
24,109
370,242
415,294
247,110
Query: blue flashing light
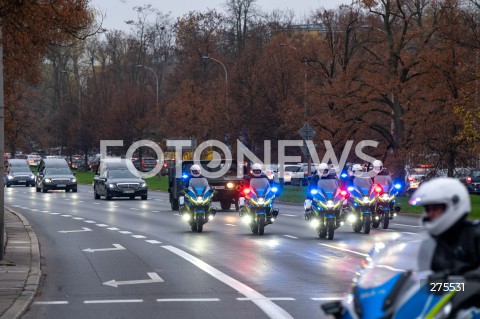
x,y
313,191
350,188
344,175
398,186
184,176
274,189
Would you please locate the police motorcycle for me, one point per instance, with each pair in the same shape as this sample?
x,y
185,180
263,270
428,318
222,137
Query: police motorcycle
x,y
363,196
324,210
256,207
394,283
385,206
196,204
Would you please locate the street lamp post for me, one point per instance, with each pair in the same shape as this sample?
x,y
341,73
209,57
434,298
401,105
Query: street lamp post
x,y
206,57
157,110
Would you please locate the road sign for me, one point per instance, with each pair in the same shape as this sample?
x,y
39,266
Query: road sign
x,y
307,132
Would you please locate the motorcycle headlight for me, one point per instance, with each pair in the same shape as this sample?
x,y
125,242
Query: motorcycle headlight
x,y
247,219
73,180
352,218
47,180
366,199
329,204
261,200
230,185
199,199
315,223
385,196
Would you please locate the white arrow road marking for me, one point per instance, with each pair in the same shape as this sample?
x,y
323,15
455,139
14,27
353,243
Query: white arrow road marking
x,y
75,231
154,277
117,247
271,309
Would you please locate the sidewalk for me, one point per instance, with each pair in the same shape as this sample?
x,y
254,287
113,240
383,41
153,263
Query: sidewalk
x,y
20,267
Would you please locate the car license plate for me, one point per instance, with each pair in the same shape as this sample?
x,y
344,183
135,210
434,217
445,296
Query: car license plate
x,y
218,187
128,191
61,185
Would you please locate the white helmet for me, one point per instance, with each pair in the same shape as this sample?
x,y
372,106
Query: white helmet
x,y
447,191
377,166
195,170
322,170
256,170
356,168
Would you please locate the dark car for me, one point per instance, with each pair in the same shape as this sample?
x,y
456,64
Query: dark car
x,y
117,177
18,173
55,174
472,181
146,164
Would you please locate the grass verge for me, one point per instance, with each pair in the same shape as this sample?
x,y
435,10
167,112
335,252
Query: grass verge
x,y
296,194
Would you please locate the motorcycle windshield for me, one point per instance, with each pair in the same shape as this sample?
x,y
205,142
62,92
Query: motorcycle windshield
x,y
328,187
385,182
414,254
198,185
261,186
363,184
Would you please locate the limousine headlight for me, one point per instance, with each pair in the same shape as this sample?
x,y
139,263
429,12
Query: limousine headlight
x,y
47,180
143,185
73,180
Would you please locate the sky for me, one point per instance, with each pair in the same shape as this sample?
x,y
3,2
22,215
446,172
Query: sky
x,y
118,11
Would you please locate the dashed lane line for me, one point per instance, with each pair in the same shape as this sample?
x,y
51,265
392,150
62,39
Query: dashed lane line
x,y
344,249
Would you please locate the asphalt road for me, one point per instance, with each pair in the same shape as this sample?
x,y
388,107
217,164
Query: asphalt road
x,y
138,259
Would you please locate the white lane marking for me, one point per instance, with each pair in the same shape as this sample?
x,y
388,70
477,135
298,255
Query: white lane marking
x,y
36,210
344,249
81,201
177,214
50,303
268,307
125,232
155,211
45,211
90,221
327,298
112,301
291,236
117,247
408,233
54,213
84,229
113,228
231,225
133,208
153,241
138,236
101,225
187,299
275,298
407,225
78,218
154,278
96,203
289,215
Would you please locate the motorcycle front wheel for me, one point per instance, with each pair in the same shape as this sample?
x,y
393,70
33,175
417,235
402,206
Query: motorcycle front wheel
x,y
367,223
386,219
200,223
330,228
261,224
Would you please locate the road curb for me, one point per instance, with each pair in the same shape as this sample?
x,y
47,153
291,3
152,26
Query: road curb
x,y
21,304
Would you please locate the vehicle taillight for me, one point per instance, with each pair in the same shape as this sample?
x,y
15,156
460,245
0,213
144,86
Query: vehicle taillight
x,y
165,164
246,191
378,189
343,193
143,164
469,180
411,179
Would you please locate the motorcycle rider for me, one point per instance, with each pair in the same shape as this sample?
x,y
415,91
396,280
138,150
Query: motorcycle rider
x,y
195,173
256,172
377,167
446,204
323,172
